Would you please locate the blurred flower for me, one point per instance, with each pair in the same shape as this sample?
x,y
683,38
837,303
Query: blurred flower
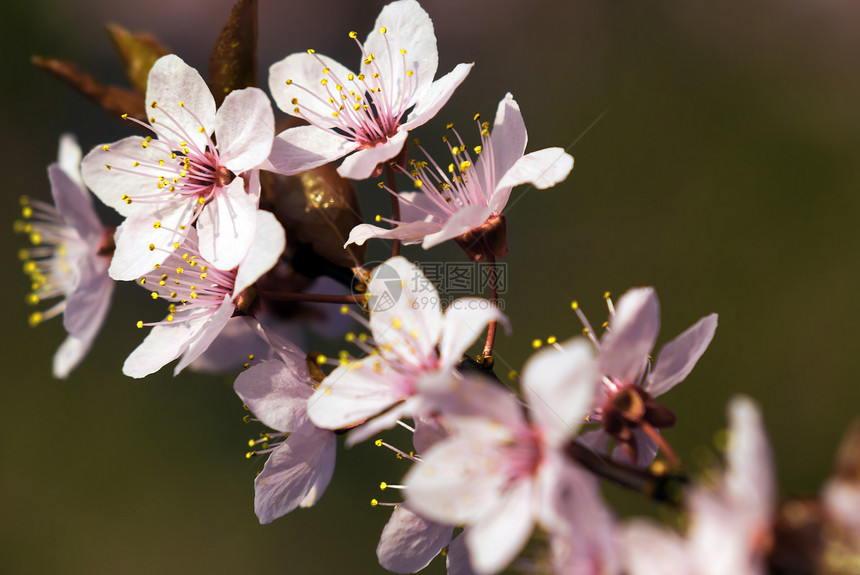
x,y
470,196
164,185
627,411
414,341
499,472
203,298
368,114
69,258
301,465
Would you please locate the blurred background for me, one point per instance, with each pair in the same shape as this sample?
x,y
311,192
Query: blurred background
x,y
716,159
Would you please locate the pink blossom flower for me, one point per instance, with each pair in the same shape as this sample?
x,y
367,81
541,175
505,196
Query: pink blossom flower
x,y
471,194
165,184
414,341
499,472
66,259
627,410
301,464
368,114
730,527
203,298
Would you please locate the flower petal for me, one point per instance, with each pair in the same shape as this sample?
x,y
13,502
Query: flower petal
x,y
501,533
508,136
75,347
245,127
89,302
211,329
384,421
163,344
269,243
275,396
304,71
436,96
411,233
226,226
408,27
297,472
543,169
465,320
653,550
631,335
409,542
75,204
231,348
560,385
457,561
140,244
184,103
69,159
466,218
750,475
303,148
361,164
678,357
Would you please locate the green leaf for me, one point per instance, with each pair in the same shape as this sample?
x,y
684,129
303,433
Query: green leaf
x,y
233,63
137,53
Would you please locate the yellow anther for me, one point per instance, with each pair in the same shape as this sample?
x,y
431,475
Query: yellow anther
x,y
396,323
181,104
551,340
350,337
451,168
449,125
201,200
176,245
402,52
296,110
139,324
378,443
321,359
334,114
179,270
606,295
311,51
201,129
455,150
152,247
135,164
353,35
108,166
410,73
106,148
326,70
124,116
378,218
143,144
478,149
477,117
383,486
362,337
289,82
374,502
383,29
142,281
154,295
154,104
249,455
465,165
35,318
173,294
156,225
361,77
574,305
512,375
537,343
32,299
203,276
170,317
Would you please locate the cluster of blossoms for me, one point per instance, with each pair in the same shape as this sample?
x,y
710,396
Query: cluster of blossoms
x,y
204,227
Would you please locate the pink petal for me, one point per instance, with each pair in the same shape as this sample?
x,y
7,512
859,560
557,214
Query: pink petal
x,y
231,348
653,550
408,27
87,305
498,536
306,72
543,169
750,475
227,225
631,335
245,128
678,357
296,473
418,207
465,321
381,422
411,233
69,159
466,218
303,148
429,430
361,164
435,96
457,562
163,344
275,396
75,204
509,136
409,542
199,343
75,347
560,385
70,354
268,244
172,81
473,405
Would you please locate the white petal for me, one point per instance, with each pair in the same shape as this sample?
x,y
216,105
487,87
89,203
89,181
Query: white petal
x,y
89,302
269,243
543,169
470,402
435,96
226,226
300,467
631,335
163,344
200,341
418,207
500,534
361,164
560,385
69,158
508,136
352,393
429,430
405,312
678,357
303,148
171,82
409,542
653,550
384,421
110,185
75,204
245,127
466,219
133,257
69,355
465,320
411,233
231,349
750,475
408,27
457,562
306,73
275,396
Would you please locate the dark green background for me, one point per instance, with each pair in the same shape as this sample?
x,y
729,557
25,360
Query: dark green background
x,y
724,173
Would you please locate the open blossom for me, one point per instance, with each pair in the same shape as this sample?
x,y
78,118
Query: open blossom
x,y
730,527
627,410
163,185
367,114
203,298
500,472
469,194
66,259
302,456
414,341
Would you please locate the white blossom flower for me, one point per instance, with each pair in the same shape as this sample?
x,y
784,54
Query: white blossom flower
x,y
165,184
203,298
367,114
414,341
500,472
469,195
67,258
